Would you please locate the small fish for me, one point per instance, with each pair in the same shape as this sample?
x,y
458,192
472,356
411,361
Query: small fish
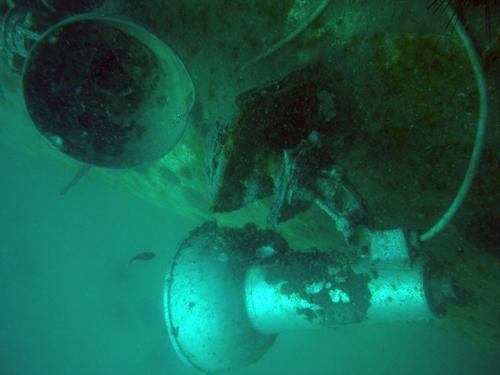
x,y
147,255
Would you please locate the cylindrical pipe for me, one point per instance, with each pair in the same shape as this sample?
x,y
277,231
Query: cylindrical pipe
x,y
482,122
231,291
398,294
317,290
272,311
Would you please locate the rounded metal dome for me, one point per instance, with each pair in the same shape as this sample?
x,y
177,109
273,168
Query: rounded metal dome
x,y
204,302
106,91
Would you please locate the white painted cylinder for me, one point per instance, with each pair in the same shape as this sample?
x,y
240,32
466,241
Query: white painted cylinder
x,y
392,292
397,294
272,311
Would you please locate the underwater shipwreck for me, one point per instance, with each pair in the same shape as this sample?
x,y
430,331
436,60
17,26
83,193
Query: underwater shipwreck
x,y
340,158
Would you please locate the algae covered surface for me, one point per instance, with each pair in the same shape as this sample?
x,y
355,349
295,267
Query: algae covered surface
x,y
380,97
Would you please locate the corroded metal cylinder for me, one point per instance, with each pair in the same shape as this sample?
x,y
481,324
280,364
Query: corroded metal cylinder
x,y
321,290
229,292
